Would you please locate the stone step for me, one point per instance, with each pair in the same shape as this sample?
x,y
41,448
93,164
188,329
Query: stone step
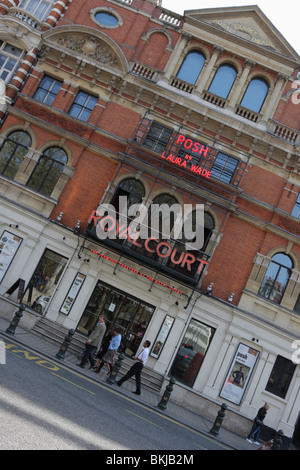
x,y
56,333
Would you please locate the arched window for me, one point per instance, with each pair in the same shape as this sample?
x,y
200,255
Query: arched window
x,y
191,67
48,170
223,80
130,188
255,94
276,277
13,151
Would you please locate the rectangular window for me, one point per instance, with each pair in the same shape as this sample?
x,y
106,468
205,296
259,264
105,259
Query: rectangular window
x,y
47,90
83,106
158,137
224,167
9,59
192,351
38,8
296,209
44,280
281,376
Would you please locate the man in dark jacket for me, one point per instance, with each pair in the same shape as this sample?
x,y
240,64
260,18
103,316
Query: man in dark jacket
x,y
258,421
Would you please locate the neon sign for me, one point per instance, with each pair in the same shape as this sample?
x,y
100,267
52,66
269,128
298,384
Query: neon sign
x,y
151,245
156,281
196,148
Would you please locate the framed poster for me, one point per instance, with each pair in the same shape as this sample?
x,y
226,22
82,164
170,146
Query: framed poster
x,y
162,336
72,294
9,245
239,373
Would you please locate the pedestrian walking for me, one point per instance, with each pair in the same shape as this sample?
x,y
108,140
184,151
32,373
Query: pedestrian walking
x,y
93,343
137,368
104,347
258,422
113,347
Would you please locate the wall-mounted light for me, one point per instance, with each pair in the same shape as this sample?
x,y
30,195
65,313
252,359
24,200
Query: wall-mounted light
x,y
59,217
230,298
77,226
209,289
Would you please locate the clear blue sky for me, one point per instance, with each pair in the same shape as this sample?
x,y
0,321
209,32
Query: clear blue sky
x,y
285,16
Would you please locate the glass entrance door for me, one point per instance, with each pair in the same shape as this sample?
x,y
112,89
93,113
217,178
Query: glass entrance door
x,y
120,309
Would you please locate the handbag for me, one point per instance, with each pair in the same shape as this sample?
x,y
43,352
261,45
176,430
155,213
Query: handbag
x,y
258,421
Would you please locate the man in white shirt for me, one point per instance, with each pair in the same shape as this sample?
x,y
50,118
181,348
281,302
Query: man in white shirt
x,y
137,367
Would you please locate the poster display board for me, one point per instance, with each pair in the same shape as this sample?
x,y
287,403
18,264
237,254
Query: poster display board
x,y
239,373
162,336
72,294
9,245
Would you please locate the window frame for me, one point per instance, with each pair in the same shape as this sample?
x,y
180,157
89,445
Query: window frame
x,y
185,64
28,6
278,372
272,291
216,77
83,107
158,137
221,171
17,145
49,162
9,57
49,93
296,208
248,90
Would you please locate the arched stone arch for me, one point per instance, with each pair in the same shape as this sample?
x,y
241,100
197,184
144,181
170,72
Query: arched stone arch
x,y
88,42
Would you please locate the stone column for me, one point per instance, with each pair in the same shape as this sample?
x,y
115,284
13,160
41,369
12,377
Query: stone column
x,y
273,97
217,50
249,64
176,56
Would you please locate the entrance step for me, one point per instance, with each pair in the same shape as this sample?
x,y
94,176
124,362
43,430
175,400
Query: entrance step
x,y
56,333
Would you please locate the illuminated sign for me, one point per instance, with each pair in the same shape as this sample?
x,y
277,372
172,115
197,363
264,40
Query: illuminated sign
x,y
186,162
156,281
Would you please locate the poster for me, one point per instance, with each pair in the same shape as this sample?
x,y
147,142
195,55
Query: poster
x,y
162,336
9,244
239,373
72,294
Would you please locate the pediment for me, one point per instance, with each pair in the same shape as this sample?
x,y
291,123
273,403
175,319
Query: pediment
x,y
87,43
247,23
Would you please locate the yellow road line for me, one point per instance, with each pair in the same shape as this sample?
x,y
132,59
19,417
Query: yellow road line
x,y
108,388
197,445
72,383
143,418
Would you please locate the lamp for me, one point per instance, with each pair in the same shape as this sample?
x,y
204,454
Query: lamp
x,y
59,217
230,298
209,289
77,226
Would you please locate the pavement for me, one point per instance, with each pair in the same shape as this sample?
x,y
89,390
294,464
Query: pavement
x,y
147,398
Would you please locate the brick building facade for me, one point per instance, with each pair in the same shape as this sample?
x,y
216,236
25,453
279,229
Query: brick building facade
x,y
125,98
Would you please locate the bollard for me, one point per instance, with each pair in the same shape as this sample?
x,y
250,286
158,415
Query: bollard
x,y
165,398
218,421
61,353
14,323
115,370
277,442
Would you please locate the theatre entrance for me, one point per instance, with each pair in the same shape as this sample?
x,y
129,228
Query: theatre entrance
x,y
120,309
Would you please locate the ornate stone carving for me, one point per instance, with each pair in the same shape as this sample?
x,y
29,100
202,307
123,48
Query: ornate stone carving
x,y
90,46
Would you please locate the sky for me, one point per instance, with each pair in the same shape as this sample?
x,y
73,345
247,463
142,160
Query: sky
x,y
284,15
